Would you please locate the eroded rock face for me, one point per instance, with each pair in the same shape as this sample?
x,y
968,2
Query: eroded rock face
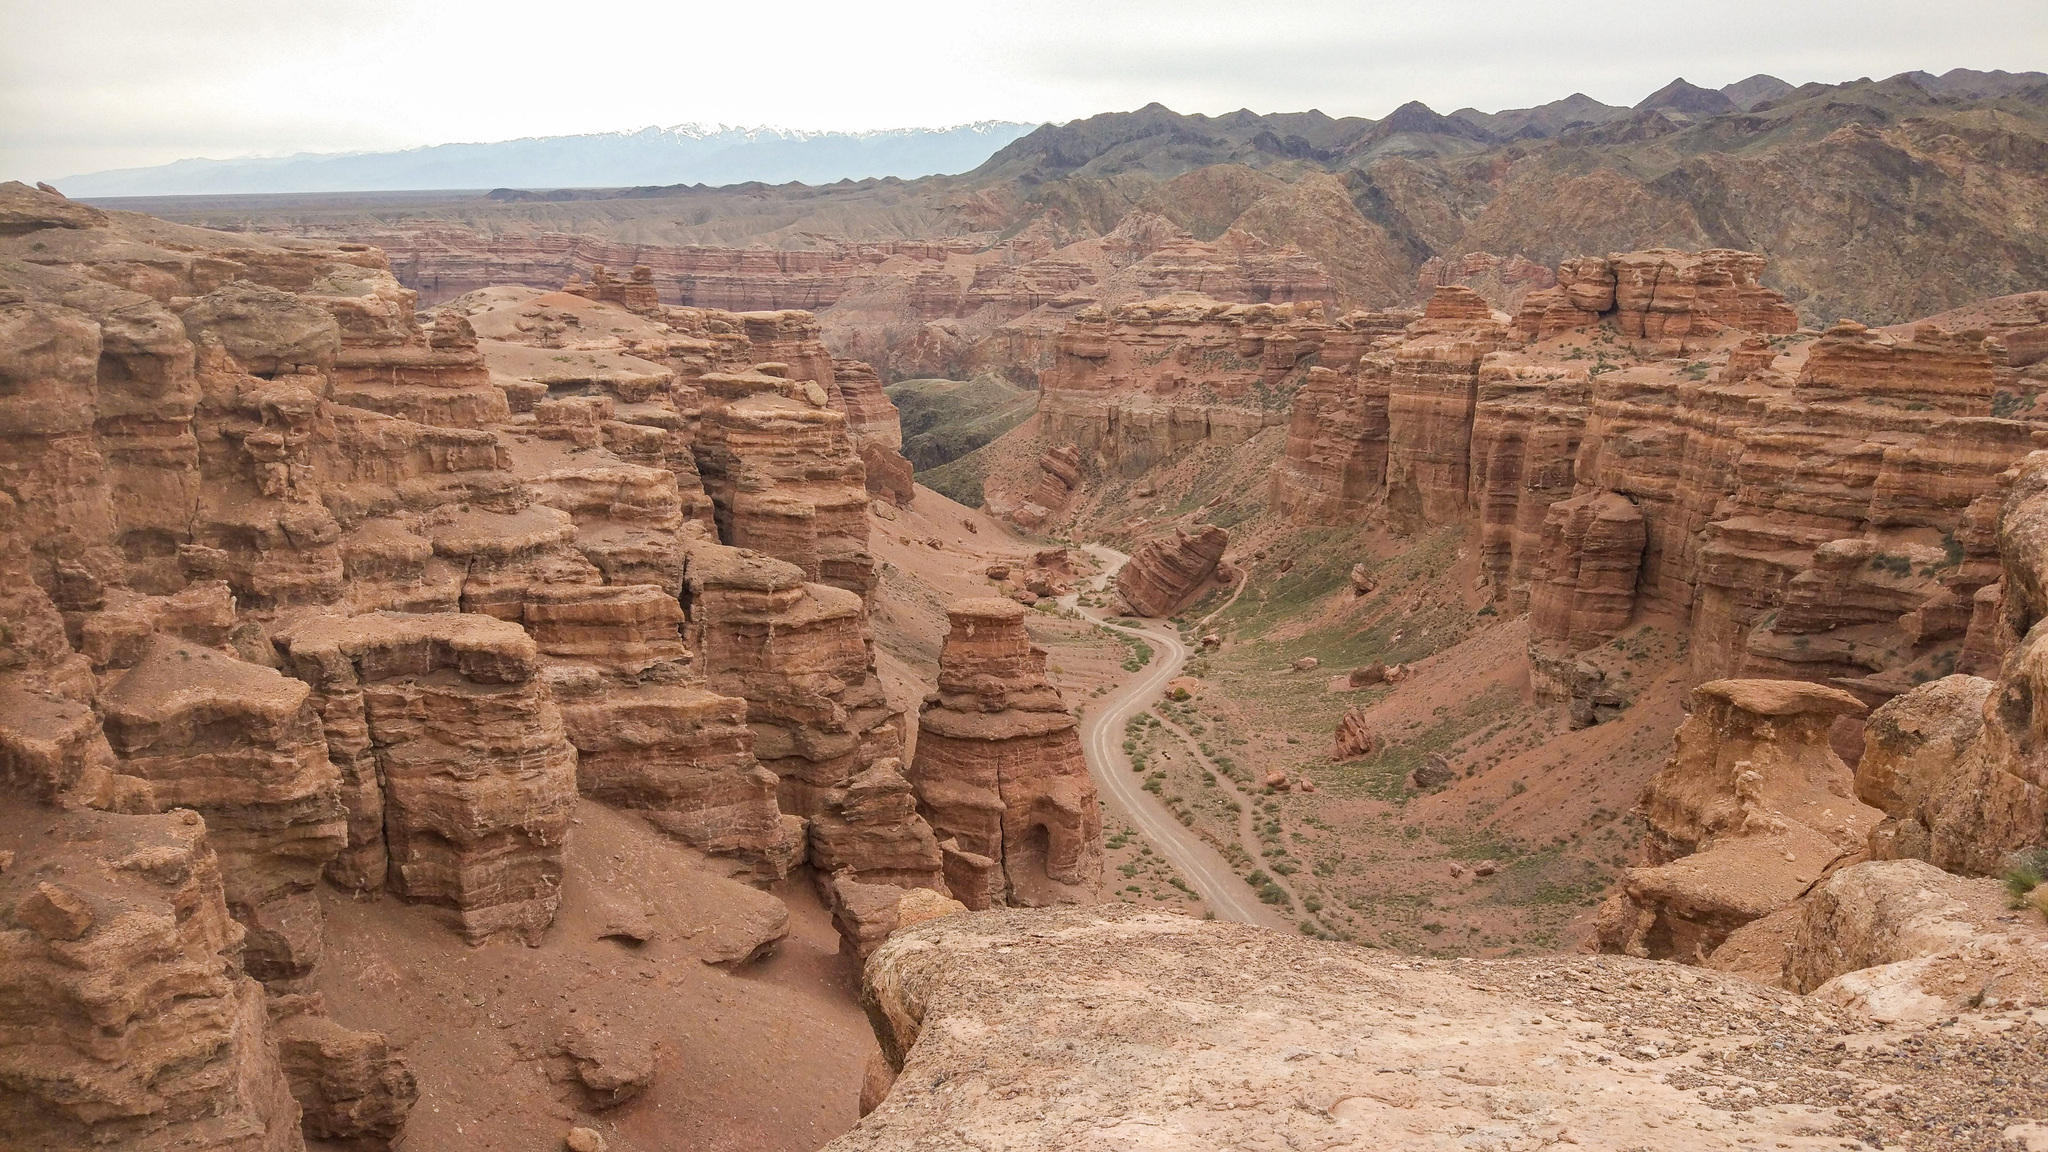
x,y
1164,575
128,1020
1819,509
456,769
785,476
243,746
1284,1040
1953,762
801,656
1752,808
1661,294
1904,940
1135,385
999,771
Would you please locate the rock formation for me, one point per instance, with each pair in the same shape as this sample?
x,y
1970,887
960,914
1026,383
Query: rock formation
x,y
784,475
800,655
1138,384
242,746
458,774
877,430
1752,808
1901,940
999,772
1355,736
129,1021
1819,510
1274,1038
1951,762
1658,294
368,596
1164,575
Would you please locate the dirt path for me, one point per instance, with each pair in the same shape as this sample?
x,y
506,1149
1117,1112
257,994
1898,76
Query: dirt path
x,y
1248,814
1102,734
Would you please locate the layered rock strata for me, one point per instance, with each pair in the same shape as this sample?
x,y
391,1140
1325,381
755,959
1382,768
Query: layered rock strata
x,y
999,772
458,774
802,658
242,746
1138,384
1163,576
784,475
353,587
128,1021
1818,509
1953,762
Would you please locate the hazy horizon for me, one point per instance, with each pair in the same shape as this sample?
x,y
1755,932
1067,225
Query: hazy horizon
x,y
236,78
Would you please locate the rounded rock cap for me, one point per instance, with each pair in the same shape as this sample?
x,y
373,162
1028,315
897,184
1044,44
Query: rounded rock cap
x,y
985,608
1783,697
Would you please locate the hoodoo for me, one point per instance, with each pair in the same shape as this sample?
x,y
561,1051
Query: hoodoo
x,y
999,772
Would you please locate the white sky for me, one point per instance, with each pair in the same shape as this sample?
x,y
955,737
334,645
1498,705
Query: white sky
x,y
93,84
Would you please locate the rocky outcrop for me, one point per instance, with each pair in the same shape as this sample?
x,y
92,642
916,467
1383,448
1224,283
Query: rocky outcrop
x,y
1334,466
1752,808
785,477
1901,940
1188,1032
999,772
349,1084
1582,590
1951,762
1658,294
876,428
242,746
125,1017
1355,735
636,293
1139,384
1432,385
456,770
1817,510
1164,575
801,656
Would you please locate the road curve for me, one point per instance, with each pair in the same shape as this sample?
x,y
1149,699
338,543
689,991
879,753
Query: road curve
x,y
1102,738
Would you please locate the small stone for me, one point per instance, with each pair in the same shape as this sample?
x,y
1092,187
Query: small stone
x,y
55,913
1307,664
585,1140
1485,868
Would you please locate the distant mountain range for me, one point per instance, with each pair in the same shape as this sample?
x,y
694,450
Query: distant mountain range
x,y
685,154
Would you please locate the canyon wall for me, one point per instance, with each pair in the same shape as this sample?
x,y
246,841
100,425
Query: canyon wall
x,y
1650,437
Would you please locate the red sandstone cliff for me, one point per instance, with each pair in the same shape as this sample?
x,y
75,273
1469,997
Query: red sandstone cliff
x,y
371,597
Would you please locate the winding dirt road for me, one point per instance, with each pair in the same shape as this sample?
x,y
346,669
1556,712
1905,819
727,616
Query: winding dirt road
x,y
1102,738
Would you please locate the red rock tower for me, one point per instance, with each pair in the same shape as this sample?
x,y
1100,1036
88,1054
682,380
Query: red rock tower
x,y
999,771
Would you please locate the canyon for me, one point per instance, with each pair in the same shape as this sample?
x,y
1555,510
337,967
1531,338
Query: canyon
x,y
977,272
474,684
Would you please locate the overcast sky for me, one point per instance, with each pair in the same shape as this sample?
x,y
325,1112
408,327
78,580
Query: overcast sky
x,y
94,84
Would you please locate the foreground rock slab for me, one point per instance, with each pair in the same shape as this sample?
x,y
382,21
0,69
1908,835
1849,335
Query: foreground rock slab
x,y
1126,1029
